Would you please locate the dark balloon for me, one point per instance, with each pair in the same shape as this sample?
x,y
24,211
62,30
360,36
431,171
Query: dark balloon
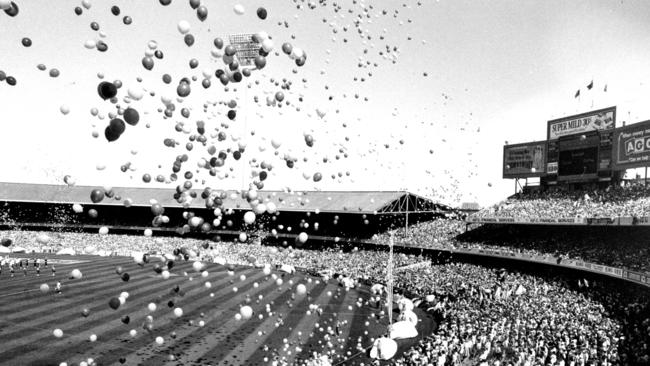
x,y
147,62
27,42
218,42
194,63
3,75
260,61
159,54
230,50
13,10
110,134
202,13
102,46
206,83
127,20
237,77
167,78
131,116
54,73
78,10
183,89
117,83
115,10
261,13
189,40
125,318
106,90
165,2
232,114
195,3
114,303
97,195
85,312
117,126
94,26
126,277
287,48
11,80
6,242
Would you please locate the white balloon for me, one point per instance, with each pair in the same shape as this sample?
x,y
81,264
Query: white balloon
x,y
5,4
267,45
151,307
160,340
301,289
178,312
103,230
136,93
86,4
165,274
58,333
246,312
64,109
243,237
271,207
93,337
183,26
148,232
152,45
90,44
239,9
302,237
249,217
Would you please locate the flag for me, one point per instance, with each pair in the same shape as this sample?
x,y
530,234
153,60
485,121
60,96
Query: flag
x,y
590,85
605,90
577,94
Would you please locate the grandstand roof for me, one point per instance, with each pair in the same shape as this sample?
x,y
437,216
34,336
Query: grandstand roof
x,y
324,201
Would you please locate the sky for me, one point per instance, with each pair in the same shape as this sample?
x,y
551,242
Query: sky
x,y
410,95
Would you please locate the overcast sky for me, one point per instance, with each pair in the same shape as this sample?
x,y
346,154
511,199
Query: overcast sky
x,y
431,115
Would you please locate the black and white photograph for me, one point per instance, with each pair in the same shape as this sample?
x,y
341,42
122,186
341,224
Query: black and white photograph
x,y
324,183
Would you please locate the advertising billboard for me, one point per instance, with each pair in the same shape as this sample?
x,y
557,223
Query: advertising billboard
x,y
632,146
602,119
524,160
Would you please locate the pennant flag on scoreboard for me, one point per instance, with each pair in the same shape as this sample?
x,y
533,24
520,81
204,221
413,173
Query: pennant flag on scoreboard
x,y
577,94
590,85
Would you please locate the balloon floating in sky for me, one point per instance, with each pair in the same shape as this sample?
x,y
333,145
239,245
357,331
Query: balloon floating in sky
x,y
239,9
147,62
12,10
27,42
54,73
76,274
183,26
131,116
97,195
261,13
114,303
106,90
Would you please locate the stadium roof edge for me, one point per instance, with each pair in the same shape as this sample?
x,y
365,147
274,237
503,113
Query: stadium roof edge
x,y
348,201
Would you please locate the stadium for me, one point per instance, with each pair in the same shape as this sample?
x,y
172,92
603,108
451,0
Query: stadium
x,y
309,195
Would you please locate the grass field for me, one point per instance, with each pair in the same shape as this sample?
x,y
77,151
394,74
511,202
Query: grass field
x,y
206,334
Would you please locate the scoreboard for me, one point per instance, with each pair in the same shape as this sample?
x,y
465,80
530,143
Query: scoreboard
x,y
578,148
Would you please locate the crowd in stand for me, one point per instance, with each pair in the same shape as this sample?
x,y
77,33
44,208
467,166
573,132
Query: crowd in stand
x,y
628,200
487,316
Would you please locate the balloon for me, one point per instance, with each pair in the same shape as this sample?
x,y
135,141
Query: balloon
x,y
246,312
218,42
93,338
232,114
202,13
54,73
11,80
279,96
189,40
301,289
64,109
260,61
249,217
27,42
77,208
115,10
114,303
317,177
97,195
85,312
86,4
106,90
94,26
43,239
167,78
131,116
183,26
183,89
242,237
267,45
178,312
127,20
78,10
117,126
58,333
76,274
239,9
13,10
126,277
302,237
159,340
147,62
165,2
287,48
102,46
41,67
151,307
261,13
45,288
90,44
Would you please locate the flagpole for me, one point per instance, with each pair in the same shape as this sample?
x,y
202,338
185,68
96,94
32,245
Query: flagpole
x,y
389,295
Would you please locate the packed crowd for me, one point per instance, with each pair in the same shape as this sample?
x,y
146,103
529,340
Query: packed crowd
x,y
487,316
630,200
621,247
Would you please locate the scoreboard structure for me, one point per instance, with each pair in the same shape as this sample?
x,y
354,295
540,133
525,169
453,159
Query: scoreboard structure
x,y
584,147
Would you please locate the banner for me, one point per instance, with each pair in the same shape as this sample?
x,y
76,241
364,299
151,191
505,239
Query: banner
x,y
524,160
602,119
632,146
